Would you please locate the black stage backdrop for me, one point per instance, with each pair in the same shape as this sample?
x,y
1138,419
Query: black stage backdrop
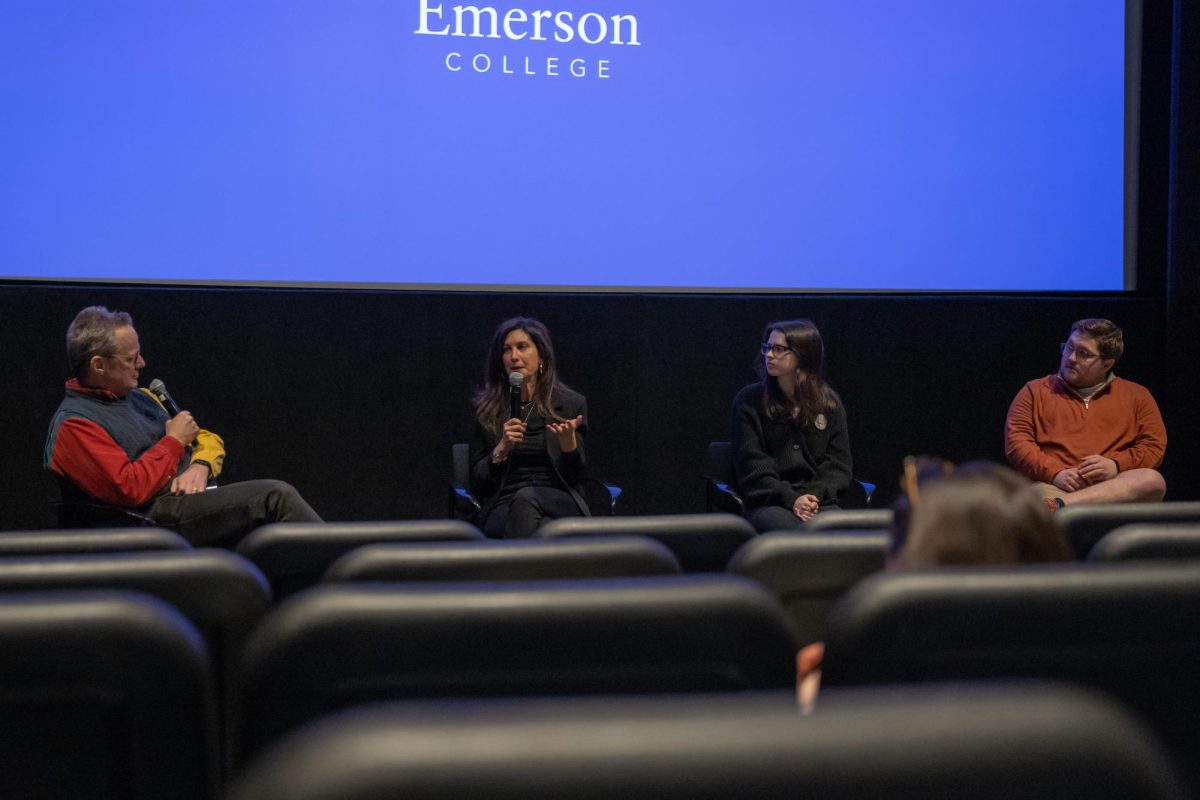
x,y
355,396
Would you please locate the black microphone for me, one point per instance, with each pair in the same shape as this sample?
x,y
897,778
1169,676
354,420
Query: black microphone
x,y
159,390
515,379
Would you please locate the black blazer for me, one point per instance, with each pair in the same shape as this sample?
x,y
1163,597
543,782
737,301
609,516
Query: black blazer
x,y
487,479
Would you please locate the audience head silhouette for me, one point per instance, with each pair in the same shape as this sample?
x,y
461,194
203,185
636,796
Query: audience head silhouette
x,y
978,514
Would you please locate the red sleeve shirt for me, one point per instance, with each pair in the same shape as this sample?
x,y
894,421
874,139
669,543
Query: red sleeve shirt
x,y
87,455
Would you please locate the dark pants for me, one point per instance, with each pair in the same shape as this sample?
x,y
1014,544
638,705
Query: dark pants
x,y
220,517
520,516
776,518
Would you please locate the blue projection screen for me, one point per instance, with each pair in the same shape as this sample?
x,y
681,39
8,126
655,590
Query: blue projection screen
x,y
761,145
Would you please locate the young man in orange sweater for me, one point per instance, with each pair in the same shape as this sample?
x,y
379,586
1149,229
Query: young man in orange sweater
x,y
1083,434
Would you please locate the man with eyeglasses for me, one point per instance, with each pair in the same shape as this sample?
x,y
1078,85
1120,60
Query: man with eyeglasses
x,y
115,443
1083,434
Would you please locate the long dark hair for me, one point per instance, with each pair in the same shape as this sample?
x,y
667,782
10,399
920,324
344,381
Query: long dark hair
x,y
813,395
491,399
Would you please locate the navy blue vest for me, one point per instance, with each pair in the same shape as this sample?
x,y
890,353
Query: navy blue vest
x,y
135,422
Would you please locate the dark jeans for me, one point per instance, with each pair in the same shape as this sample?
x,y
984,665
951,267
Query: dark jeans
x,y
776,518
220,517
520,516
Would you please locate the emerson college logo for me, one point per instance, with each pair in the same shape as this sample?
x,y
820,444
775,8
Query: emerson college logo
x,y
518,25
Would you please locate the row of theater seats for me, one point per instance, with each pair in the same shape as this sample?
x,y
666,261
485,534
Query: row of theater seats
x,y
114,681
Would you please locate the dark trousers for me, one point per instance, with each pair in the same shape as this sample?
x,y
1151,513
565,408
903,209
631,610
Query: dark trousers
x,y
777,518
220,517
519,516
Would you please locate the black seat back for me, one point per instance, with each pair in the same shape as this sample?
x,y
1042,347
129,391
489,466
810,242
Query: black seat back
x,y
105,695
996,743
79,541
222,594
846,519
808,573
1128,629
506,560
701,542
1147,542
294,555
339,645
1085,525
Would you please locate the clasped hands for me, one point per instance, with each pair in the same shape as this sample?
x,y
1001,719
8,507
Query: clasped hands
x,y
806,507
514,433
1093,469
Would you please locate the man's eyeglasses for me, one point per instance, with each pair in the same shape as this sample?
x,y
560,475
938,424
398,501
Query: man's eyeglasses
x,y
1080,354
131,360
777,350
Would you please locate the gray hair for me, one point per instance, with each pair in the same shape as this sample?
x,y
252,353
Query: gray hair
x,y
93,333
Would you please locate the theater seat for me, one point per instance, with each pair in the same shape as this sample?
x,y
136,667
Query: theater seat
x,y
97,540
858,519
344,644
701,542
294,555
105,695
505,560
1085,525
1148,542
1128,629
994,743
808,573
220,593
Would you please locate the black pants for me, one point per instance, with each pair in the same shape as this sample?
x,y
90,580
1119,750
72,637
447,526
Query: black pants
x,y
777,518
522,514
220,517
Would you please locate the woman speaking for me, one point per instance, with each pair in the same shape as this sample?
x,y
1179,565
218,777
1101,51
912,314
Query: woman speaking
x,y
791,448
526,451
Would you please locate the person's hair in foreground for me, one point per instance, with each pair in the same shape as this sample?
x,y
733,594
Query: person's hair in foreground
x,y
491,400
978,514
813,395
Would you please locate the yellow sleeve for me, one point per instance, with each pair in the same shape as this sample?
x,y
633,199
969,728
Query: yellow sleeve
x,y
211,448
208,447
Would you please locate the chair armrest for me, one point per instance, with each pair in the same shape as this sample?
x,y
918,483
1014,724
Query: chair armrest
x,y
718,496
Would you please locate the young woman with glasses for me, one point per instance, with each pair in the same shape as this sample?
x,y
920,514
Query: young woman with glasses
x,y
791,448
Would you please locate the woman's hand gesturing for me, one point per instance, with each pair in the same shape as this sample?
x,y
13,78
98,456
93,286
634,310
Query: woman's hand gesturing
x,y
565,431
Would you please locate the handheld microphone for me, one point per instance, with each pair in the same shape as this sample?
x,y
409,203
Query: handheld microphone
x,y
159,390
515,379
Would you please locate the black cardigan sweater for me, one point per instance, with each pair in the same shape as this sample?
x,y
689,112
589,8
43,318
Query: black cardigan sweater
x,y
777,461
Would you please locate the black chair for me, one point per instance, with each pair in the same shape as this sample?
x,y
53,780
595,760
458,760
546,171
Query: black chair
x,y
78,510
720,492
858,519
341,645
701,542
219,592
808,573
993,743
107,540
1148,542
105,695
294,555
1085,525
1130,630
461,504
514,560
